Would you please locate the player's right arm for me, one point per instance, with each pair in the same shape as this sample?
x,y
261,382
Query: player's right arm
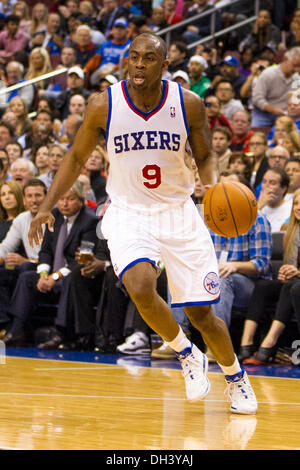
x,y
86,140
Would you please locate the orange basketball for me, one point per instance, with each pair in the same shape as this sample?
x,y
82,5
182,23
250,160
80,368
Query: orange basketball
x,y
230,208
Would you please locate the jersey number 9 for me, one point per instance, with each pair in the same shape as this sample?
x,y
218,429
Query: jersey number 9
x,y
152,173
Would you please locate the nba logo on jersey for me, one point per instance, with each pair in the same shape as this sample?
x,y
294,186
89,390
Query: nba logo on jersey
x,y
172,111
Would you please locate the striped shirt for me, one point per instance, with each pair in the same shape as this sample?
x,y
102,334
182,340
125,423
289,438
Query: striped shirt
x,y
254,246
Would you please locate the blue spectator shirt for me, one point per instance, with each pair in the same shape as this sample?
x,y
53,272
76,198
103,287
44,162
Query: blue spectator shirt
x,y
110,52
254,246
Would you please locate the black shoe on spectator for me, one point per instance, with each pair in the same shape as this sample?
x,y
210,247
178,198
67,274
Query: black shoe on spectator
x,y
245,352
15,341
52,343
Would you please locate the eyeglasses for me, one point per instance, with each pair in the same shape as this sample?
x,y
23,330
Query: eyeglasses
x,y
254,144
281,157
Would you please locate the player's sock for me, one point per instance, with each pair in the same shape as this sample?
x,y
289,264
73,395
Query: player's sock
x,y
181,342
235,368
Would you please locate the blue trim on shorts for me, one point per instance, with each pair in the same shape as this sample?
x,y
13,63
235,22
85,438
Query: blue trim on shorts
x,y
191,304
135,262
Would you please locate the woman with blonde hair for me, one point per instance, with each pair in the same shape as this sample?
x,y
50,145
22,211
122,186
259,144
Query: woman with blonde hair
x,y
292,143
285,290
11,205
283,126
39,64
39,18
19,107
22,11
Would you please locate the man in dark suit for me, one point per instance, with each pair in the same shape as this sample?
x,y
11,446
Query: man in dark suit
x,y
50,283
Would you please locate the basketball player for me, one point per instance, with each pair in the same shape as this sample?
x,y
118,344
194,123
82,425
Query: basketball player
x,y
152,217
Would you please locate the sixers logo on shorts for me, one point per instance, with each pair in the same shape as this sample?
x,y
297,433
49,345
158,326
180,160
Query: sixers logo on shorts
x,y
211,283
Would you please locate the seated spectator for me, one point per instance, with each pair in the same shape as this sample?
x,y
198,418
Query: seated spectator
x,y
201,27
53,39
58,83
49,105
248,259
107,16
291,141
84,45
283,125
257,67
56,155
293,112
21,10
10,118
270,95
14,151
264,33
16,254
106,81
39,18
12,39
73,224
75,86
276,158
199,82
158,19
292,38
213,113
172,17
19,107
246,61
285,290
15,75
137,25
242,164
22,170
39,64
221,140
40,160
4,165
69,129
182,77
258,146
11,205
225,94
292,169
94,168
6,7
177,56
230,71
107,57
241,131
6,134
42,133
271,201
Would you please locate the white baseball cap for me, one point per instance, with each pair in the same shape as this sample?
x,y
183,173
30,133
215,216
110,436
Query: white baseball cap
x,y
181,74
77,70
110,79
199,59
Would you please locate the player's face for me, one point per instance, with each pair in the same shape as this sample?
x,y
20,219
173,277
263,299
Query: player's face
x,y
146,63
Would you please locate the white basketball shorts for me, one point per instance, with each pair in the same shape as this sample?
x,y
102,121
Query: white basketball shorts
x,y
178,237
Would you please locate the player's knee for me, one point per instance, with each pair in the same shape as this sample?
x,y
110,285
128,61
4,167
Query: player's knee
x,y
141,291
200,316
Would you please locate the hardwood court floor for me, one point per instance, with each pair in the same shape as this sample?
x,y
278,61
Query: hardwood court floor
x,y
51,404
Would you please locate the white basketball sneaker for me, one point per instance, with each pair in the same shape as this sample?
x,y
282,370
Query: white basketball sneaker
x,y
241,394
194,368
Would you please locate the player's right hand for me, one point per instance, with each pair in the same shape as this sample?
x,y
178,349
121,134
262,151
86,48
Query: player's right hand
x,y
35,234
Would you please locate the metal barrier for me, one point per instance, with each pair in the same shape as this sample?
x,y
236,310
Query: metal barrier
x,y
17,86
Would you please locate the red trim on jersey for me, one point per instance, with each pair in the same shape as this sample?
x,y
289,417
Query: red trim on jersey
x,y
143,115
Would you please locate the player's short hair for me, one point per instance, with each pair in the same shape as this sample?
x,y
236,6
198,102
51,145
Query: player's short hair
x,y
151,35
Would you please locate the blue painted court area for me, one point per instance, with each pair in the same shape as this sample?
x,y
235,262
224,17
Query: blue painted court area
x,y
287,371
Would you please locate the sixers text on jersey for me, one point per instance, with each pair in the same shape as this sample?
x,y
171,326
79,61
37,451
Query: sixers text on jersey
x,y
149,140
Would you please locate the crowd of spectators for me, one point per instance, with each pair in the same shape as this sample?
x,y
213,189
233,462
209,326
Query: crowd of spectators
x,y
249,81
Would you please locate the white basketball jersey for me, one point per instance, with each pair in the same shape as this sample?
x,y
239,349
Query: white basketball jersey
x,y
147,150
